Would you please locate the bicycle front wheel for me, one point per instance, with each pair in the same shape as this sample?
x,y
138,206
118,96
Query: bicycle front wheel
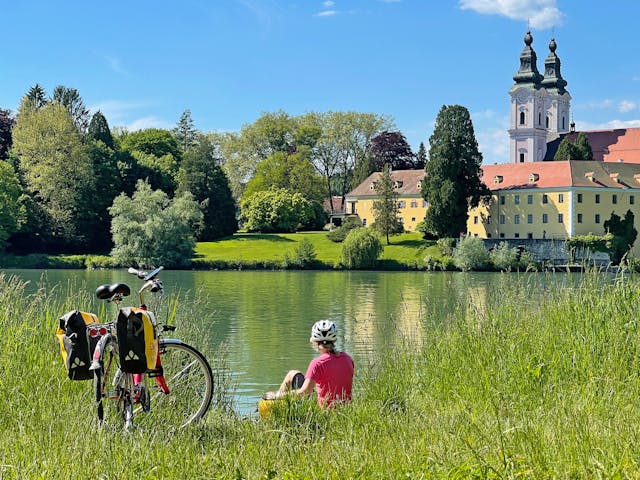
x,y
190,382
112,386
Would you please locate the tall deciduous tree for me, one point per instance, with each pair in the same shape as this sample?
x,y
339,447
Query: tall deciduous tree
x,y
10,211
57,170
70,98
185,131
624,235
6,125
392,148
452,182
200,173
275,210
385,207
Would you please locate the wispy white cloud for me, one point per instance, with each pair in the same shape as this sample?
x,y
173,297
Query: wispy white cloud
x,y
116,110
115,65
626,106
328,4
148,122
611,124
539,13
597,104
327,13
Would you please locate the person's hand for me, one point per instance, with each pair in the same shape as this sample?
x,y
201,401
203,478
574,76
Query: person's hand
x,y
270,395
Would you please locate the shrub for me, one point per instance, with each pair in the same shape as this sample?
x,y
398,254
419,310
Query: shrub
x,y
304,255
471,254
446,246
361,249
504,257
339,234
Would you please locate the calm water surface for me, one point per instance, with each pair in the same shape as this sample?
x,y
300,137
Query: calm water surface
x,y
264,318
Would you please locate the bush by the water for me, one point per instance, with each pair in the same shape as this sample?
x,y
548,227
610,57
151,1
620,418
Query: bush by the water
x,y
339,234
361,249
470,254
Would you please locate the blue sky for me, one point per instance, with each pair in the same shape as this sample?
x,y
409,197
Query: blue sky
x,y
143,63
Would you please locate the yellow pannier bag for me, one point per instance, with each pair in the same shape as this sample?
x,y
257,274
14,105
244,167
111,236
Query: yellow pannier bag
x,y
76,347
137,340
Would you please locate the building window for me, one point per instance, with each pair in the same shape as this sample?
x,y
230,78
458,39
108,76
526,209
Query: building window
x,y
475,220
597,218
530,235
579,198
539,118
563,127
502,200
545,218
597,198
545,198
522,118
425,204
529,199
632,200
522,158
561,198
364,222
547,122
401,204
502,235
560,218
488,235
489,219
579,218
502,219
614,199
414,203
516,219
529,217
413,219
517,235
516,199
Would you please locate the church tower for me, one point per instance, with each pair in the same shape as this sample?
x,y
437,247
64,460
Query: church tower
x,y
540,105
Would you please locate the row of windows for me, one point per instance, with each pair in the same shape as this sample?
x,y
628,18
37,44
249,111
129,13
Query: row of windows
x,y
523,119
414,204
545,218
545,199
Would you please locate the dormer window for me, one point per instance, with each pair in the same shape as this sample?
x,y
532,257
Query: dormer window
x,y
533,177
591,176
397,184
636,177
498,179
372,186
419,184
615,177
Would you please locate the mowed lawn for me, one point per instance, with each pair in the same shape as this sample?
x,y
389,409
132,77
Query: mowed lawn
x,y
406,249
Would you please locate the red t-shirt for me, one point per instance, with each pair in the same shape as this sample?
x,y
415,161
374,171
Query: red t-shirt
x,y
333,374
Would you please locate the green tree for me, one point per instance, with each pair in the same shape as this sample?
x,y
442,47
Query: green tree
x,y
624,235
391,148
452,182
151,141
6,125
98,129
584,147
34,99
70,98
185,131
201,175
275,210
57,171
361,249
421,156
10,205
566,151
385,207
149,229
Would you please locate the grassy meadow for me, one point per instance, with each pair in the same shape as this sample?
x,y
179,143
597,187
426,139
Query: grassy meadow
x,y
510,388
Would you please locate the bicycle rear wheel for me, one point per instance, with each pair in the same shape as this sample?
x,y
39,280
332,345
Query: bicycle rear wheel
x,y
112,386
190,382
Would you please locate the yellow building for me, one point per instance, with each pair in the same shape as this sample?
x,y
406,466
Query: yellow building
x,y
411,205
554,200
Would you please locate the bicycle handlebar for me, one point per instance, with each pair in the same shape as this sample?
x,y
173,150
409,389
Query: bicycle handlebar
x,y
146,276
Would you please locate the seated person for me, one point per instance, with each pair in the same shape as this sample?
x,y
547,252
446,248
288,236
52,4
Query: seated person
x,y
331,373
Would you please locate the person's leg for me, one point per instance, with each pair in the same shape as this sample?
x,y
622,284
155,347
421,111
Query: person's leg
x,y
292,380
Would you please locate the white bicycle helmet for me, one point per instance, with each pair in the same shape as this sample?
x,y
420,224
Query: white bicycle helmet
x,y
324,331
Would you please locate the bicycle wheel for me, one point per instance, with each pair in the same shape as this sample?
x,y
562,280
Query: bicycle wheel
x,y
190,382
112,386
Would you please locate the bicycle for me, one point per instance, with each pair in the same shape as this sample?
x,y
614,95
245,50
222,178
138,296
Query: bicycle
x,y
178,386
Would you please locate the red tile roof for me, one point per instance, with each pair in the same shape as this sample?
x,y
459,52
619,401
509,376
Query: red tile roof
x,y
613,145
408,178
573,173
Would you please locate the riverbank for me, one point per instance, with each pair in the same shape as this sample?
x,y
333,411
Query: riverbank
x,y
509,388
253,252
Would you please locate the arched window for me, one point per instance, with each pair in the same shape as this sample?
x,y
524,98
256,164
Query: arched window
x,y
539,118
521,118
563,123
547,122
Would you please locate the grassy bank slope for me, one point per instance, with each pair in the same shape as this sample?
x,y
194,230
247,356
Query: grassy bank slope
x,y
510,388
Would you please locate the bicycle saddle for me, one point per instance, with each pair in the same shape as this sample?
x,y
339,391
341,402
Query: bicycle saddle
x,y
105,292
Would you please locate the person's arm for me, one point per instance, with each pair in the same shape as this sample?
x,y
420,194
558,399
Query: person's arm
x,y
306,389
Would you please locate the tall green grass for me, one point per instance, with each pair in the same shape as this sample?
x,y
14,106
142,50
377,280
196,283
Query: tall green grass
x,y
524,385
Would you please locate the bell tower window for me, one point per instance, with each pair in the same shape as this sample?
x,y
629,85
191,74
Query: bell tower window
x,y
522,118
547,122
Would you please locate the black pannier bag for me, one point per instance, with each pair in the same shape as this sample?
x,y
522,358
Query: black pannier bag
x,y
137,340
76,347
